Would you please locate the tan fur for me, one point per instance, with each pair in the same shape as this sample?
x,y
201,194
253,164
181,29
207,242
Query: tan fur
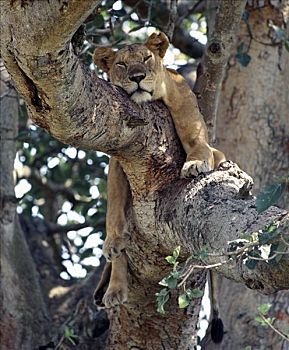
x,y
139,70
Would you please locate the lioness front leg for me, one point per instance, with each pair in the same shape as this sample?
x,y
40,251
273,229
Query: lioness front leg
x,y
190,127
202,159
116,225
199,160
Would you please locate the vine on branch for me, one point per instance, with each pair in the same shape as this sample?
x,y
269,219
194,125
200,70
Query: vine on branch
x,y
267,245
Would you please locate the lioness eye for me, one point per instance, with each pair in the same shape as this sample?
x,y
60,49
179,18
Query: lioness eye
x,y
121,64
147,58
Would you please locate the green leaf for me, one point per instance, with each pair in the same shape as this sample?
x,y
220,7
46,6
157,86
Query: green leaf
x,y
286,44
243,58
176,252
195,293
247,237
170,259
251,264
183,301
204,253
269,196
69,334
249,347
162,297
272,228
260,320
171,282
264,308
282,248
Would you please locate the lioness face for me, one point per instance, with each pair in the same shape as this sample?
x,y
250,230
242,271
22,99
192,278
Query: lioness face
x,y
136,68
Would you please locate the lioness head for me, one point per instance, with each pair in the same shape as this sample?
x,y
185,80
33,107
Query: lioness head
x,y
137,68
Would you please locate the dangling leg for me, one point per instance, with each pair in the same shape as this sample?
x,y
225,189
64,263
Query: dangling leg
x,y
115,273
112,287
117,289
116,225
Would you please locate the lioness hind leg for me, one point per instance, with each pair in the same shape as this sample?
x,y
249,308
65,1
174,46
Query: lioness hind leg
x,y
117,290
200,159
116,225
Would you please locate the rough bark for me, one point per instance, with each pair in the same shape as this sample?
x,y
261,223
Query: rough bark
x,y
21,298
253,119
255,100
78,108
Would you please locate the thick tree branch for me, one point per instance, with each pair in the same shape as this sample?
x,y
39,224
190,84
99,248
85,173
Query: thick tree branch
x,y
50,25
217,53
228,216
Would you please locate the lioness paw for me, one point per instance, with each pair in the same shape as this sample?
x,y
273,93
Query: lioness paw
x,y
194,168
113,246
114,297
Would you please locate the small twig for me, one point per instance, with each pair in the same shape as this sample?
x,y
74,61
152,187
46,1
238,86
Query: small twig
x,y
262,259
206,267
272,327
238,251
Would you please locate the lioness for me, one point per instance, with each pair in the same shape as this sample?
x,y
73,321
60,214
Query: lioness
x,y
139,70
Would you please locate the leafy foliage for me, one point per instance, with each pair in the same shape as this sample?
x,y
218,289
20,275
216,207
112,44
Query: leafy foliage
x,y
66,187
271,194
171,282
263,311
267,245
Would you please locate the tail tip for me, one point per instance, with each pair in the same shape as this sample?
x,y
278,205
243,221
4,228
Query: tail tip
x,y
217,330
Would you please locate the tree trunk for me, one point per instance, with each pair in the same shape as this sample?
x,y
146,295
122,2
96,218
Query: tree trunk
x,y
21,297
253,114
253,130
166,211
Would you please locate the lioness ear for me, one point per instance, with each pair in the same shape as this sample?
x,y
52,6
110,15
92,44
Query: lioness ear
x,y
103,57
158,43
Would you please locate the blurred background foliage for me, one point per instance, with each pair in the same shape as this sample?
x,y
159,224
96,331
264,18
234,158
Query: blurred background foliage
x,y
65,187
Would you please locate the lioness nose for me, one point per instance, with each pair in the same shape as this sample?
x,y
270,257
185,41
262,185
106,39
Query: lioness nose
x,y
137,77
